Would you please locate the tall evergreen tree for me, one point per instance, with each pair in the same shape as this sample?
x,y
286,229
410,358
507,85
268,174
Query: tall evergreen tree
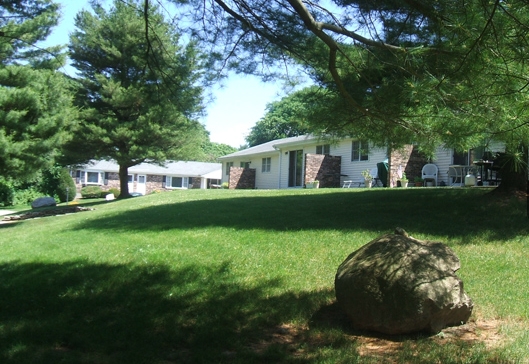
x,y
138,87
35,106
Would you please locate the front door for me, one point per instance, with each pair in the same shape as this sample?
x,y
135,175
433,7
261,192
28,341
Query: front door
x,y
295,168
141,185
130,182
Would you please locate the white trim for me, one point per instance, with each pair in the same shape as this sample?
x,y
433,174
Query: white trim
x,y
169,182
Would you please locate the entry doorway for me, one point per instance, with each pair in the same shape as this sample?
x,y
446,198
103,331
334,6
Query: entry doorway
x,y
142,183
295,168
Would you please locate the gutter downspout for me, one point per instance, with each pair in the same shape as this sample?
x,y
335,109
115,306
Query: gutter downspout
x,y
280,167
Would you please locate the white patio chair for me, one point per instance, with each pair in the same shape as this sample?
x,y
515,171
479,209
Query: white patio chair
x,y
374,172
430,172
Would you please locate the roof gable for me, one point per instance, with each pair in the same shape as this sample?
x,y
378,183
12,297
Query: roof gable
x,y
271,146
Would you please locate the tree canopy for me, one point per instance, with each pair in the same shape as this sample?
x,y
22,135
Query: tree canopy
x,y
138,87
283,119
395,72
36,113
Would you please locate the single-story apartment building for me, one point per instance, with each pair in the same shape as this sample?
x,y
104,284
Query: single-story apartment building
x,y
292,162
146,178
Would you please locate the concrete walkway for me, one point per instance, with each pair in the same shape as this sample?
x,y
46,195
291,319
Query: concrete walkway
x,y
6,212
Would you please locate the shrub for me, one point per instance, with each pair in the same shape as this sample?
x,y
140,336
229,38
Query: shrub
x,y
26,196
65,190
55,181
113,190
12,193
225,185
92,192
7,192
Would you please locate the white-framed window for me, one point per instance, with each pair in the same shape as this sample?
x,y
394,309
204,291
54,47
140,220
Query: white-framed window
x,y
266,166
178,182
245,164
323,149
92,177
228,166
360,151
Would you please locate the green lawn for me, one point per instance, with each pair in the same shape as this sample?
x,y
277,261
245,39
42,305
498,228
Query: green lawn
x,y
224,276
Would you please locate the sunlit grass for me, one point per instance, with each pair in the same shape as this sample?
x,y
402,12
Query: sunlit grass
x,y
203,276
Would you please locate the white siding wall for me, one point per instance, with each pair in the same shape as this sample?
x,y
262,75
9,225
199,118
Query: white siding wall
x,y
284,161
443,158
266,180
353,169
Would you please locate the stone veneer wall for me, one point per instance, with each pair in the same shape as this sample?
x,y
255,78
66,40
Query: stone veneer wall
x,y
242,178
153,183
324,168
410,160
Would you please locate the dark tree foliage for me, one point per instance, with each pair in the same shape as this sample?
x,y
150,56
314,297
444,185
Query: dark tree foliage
x,y
441,72
36,114
283,119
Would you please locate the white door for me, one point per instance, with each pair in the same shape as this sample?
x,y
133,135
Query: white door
x,y
141,185
131,182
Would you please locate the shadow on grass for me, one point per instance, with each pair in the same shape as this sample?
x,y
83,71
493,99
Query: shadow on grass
x,y
459,213
87,313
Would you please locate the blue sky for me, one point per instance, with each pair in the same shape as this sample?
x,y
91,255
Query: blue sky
x,y
239,102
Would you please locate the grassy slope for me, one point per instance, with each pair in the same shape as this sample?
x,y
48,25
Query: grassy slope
x,y
200,276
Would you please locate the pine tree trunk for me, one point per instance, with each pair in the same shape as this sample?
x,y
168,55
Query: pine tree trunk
x,y
124,181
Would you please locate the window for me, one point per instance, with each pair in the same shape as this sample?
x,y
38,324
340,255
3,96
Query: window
x,y
92,178
323,149
228,166
177,182
245,164
360,151
267,164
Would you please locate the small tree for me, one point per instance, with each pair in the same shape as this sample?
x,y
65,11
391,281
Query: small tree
x,y
58,183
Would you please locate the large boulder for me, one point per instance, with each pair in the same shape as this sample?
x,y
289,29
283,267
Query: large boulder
x,y
396,284
43,202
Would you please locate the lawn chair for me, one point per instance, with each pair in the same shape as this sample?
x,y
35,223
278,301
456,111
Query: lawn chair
x,y
430,172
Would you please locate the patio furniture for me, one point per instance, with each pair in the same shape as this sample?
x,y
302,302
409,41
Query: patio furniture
x,y
382,173
455,175
429,172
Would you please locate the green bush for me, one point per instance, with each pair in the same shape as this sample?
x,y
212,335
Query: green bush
x,y
113,190
26,196
12,194
66,189
55,181
92,192
7,192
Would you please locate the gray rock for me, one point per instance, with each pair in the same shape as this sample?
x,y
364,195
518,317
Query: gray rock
x,y
43,202
396,284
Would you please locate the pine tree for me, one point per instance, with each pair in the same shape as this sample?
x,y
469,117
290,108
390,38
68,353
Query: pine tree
x,y
35,106
137,87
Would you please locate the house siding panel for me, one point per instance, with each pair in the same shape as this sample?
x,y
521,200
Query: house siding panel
x,y
443,158
267,180
353,170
